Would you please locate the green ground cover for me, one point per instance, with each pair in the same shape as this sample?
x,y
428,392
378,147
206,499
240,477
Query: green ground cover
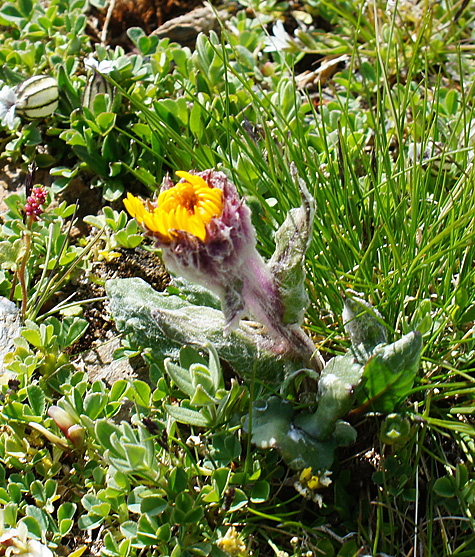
x,y
364,110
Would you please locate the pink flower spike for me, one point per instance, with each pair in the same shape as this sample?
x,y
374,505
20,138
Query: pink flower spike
x,y
34,202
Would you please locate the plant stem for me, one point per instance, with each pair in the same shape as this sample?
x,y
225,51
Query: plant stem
x,y
263,298
22,272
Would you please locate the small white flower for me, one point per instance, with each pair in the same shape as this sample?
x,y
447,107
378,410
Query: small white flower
x,y
231,544
280,40
8,100
390,6
104,67
37,549
14,541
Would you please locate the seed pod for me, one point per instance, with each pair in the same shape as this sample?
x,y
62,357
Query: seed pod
x,y
37,97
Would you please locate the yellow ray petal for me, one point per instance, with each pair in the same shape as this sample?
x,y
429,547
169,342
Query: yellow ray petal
x,y
192,179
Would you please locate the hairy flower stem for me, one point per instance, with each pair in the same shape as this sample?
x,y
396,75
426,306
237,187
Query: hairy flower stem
x,y
263,299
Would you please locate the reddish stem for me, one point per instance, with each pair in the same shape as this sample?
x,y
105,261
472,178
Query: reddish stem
x,y
22,271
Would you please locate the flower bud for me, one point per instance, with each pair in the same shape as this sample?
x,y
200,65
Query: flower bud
x,y
37,97
268,69
76,435
61,418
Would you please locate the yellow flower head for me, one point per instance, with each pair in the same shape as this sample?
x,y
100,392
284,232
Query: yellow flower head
x,y
188,207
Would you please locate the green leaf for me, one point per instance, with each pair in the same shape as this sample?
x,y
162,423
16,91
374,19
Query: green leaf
x,y
90,522
226,448
389,374
184,501
201,376
260,492
135,33
181,377
194,516
142,392
178,480
136,456
272,427
165,323
214,368
196,124
202,398
89,500
422,318
451,101
99,104
368,72
106,433
93,159
119,390
142,174
33,526
153,505
147,44
94,404
66,511
147,531
288,261
11,254
240,500
126,240
73,329
102,509
112,190
106,122
11,14
220,478
14,491
36,398
41,517
38,492
67,88
164,533
65,526
129,529
186,415
461,476
363,324
335,388
445,487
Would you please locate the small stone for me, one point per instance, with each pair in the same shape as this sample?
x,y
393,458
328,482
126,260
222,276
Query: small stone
x,y
10,324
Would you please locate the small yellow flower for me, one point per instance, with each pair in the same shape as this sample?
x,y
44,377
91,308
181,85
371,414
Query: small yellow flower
x,y
188,207
311,481
308,483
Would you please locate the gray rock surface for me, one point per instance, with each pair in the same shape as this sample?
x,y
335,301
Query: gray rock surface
x,y
10,324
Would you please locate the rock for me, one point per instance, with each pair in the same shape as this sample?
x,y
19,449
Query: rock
x,y
99,364
10,325
185,28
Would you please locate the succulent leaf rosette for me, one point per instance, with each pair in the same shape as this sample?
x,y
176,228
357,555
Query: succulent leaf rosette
x,y
205,232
